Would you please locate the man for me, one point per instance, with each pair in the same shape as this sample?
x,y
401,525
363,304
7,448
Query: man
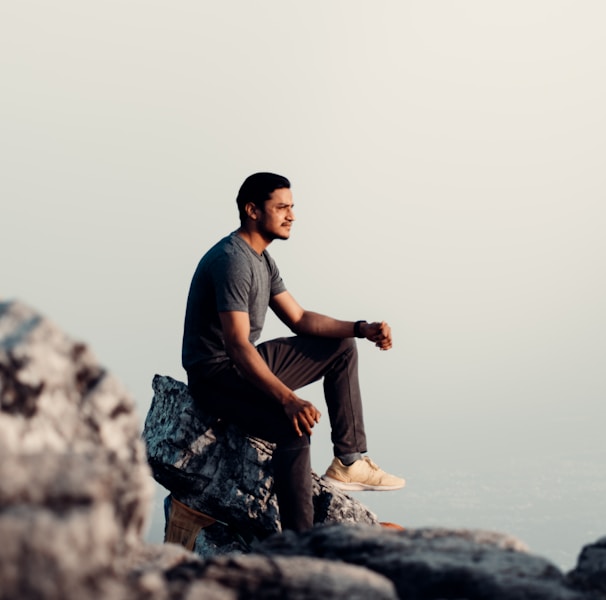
x,y
254,386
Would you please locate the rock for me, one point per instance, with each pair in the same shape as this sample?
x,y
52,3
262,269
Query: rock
x,y
214,468
434,563
75,487
149,568
256,576
590,572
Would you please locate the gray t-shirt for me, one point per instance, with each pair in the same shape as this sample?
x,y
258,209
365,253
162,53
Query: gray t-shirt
x,y
231,276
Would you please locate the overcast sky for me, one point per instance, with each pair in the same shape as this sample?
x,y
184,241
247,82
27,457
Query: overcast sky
x,y
447,162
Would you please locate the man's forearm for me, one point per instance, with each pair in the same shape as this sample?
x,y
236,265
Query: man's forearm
x,y
312,323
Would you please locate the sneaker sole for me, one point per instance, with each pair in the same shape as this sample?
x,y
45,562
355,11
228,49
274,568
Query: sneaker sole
x,y
362,487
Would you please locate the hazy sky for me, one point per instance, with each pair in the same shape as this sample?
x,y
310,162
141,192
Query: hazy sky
x,y
447,161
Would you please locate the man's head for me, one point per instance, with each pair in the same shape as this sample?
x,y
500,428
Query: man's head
x,y
257,189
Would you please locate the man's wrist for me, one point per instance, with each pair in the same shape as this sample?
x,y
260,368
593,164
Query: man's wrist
x,y
358,328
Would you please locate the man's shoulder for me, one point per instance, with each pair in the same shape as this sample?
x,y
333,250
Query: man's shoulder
x,y
228,255
225,247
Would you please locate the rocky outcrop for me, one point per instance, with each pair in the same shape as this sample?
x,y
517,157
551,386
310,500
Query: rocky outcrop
x,y
436,563
75,496
258,576
216,469
74,483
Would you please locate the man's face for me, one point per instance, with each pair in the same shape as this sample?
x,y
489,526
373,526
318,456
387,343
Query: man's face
x,y
275,217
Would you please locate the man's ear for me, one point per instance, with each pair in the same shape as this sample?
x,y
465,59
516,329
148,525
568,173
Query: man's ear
x,y
251,210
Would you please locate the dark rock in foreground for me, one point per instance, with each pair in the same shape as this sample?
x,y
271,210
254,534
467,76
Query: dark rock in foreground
x,y
258,576
435,563
590,572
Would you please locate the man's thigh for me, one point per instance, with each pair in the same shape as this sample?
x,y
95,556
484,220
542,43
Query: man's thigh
x,y
232,398
300,360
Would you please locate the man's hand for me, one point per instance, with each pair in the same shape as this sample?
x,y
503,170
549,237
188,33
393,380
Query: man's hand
x,y
379,334
302,414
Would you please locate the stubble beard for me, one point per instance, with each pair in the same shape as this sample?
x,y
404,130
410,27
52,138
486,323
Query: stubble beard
x,y
277,235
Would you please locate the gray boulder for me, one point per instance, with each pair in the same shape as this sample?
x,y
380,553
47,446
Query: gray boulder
x,y
215,469
435,563
258,576
74,482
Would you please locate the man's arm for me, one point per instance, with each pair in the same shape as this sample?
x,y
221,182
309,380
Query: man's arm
x,y
305,322
236,331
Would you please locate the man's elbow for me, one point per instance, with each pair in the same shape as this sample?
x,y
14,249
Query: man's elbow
x,y
306,325
296,328
236,350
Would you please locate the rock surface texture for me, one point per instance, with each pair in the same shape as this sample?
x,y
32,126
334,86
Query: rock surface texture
x,y
590,572
74,482
75,494
435,563
213,468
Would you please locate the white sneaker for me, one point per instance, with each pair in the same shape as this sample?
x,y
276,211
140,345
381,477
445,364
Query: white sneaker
x,y
362,475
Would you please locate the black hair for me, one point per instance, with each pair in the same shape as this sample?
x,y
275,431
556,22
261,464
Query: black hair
x,y
257,188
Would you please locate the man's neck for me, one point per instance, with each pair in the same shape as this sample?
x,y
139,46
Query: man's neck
x,y
254,239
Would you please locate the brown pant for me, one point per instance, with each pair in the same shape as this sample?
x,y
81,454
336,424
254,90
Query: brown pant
x,y
297,361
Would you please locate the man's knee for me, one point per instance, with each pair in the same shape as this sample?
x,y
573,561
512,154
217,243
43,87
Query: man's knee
x,y
347,349
340,347
349,345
